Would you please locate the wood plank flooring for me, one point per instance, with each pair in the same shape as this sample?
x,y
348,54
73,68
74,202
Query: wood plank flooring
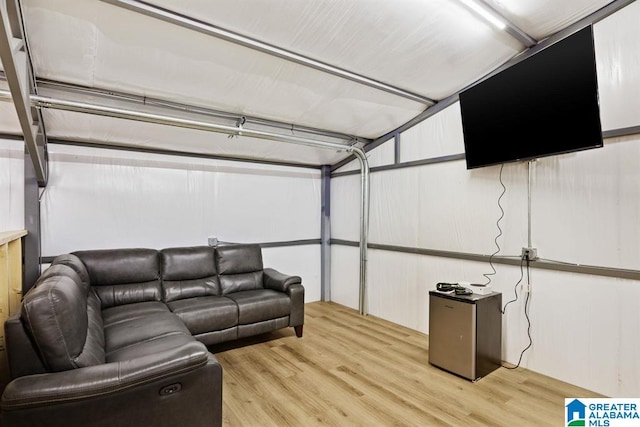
x,y
353,370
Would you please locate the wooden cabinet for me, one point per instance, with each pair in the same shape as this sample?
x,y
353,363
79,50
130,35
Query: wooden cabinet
x,y
10,288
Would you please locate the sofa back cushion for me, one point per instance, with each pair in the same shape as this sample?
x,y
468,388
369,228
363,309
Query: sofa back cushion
x,y
64,320
240,267
123,276
188,272
76,265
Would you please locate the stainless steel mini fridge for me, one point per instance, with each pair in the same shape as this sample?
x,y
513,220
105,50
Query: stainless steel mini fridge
x,y
465,333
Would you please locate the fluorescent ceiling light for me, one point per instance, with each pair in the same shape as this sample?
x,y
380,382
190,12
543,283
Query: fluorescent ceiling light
x,y
485,13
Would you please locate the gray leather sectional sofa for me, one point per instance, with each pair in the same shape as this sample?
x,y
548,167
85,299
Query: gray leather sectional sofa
x,y
118,337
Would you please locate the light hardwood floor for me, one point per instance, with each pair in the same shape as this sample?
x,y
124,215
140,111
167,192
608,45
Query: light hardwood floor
x,y
353,370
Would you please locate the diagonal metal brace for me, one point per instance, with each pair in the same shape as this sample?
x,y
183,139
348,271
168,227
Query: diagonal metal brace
x,y
17,69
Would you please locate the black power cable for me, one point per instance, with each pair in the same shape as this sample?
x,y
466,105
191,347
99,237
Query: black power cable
x,y
515,288
526,311
504,190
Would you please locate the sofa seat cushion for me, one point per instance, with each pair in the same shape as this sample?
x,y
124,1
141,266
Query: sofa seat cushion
x,y
260,304
127,312
139,329
206,314
153,345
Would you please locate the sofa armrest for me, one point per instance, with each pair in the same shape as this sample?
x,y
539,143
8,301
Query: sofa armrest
x,y
277,281
296,293
158,389
21,351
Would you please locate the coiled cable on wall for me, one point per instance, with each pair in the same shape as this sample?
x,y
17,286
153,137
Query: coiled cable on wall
x,y
495,240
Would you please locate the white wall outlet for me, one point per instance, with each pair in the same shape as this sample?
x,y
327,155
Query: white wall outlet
x,y
530,253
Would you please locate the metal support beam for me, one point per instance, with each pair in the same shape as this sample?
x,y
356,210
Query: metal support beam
x,y
32,247
325,234
515,260
142,116
17,68
251,43
396,149
511,29
167,152
126,100
530,165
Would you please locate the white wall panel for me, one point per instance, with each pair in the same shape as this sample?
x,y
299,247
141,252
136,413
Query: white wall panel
x,y
617,42
396,277
11,185
586,206
444,206
585,331
351,166
459,208
384,154
9,123
395,207
345,207
345,275
440,206
303,261
439,135
105,199
399,284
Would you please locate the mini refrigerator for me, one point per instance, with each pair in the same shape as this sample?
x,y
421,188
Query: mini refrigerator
x,y
465,333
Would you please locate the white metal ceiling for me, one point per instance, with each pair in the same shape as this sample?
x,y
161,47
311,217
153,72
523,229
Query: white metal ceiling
x,y
432,48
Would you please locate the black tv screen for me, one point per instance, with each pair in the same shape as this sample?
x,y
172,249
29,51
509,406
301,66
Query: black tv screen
x,y
546,104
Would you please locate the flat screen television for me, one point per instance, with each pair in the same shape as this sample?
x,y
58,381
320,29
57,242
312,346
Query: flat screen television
x,y
544,105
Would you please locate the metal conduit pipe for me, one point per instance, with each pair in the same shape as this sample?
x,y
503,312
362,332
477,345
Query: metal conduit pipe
x,y
81,107
364,227
102,110
529,187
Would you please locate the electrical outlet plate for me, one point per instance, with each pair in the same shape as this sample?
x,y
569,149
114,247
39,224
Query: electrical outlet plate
x,y
530,253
